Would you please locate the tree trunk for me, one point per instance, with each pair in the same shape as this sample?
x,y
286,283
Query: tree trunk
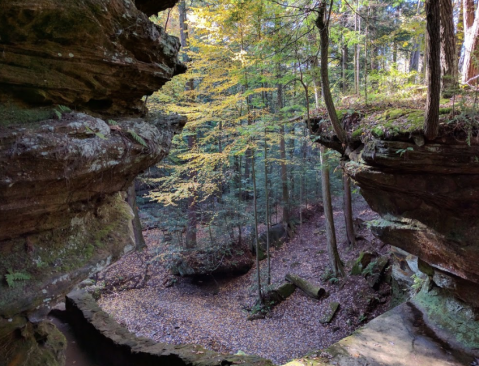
x,y
266,197
448,49
460,36
316,292
357,27
348,210
431,124
284,170
334,260
344,57
322,25
131,199
192,208
192,205
471,24
256,236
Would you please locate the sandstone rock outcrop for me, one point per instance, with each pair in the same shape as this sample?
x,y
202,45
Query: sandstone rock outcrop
x,y
64,173
60,214
427,196
96,55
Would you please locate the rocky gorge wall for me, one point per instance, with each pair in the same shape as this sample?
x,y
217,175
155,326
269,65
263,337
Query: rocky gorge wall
x,y
73,136
429,204
427,195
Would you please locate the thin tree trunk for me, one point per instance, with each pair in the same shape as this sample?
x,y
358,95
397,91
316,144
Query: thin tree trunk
x,y
344,57
192,208
256,236
356,50
348,210
192,205
334,260
266,197
284,170
431,123
239,199
366,62
131,199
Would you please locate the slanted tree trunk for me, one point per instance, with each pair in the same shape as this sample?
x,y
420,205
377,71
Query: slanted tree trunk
x,y
448,49
323,24
334,260
323,27
431,123
131,199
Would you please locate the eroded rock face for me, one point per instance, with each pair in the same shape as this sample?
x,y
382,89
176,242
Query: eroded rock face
x,y
112,344
62,216
97,55
428,198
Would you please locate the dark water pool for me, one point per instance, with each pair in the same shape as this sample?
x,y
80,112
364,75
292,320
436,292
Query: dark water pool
x,y
75,354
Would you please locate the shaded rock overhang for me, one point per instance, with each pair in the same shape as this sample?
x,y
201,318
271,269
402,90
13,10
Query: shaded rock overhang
x,y
427,195
91,55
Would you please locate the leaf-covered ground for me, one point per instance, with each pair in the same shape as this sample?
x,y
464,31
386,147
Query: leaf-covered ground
x,y
211,313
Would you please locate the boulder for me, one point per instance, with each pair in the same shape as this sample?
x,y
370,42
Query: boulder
x,y
361,263
225,260
277,235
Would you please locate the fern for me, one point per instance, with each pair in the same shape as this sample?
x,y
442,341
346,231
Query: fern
x,y
60,109
112,122
13,278
99,134
63,109
137,138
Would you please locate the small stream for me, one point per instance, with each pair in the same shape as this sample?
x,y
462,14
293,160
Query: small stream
x,y
76,355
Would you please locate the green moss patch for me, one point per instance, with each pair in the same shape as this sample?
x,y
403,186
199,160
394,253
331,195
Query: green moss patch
x,y
450,315
11,115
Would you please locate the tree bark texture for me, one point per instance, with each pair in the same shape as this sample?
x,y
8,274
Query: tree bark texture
x,y
431,123
328,99
471,24
448,49
131,199
348,210
334,260
316,292
256,235
284,169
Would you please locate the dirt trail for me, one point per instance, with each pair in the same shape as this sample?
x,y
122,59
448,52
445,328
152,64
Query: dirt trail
x,y
211,313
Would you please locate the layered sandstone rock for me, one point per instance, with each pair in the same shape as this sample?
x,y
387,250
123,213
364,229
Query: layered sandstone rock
x,y
61,216
425,192
98,55
63,172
